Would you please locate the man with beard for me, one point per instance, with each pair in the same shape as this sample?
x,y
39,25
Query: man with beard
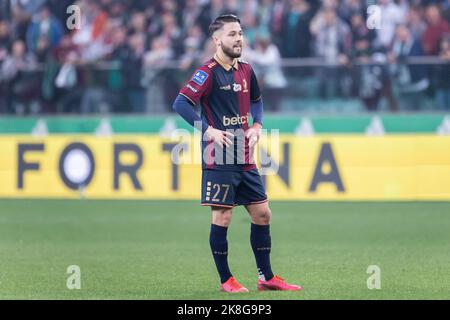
x,y
228,92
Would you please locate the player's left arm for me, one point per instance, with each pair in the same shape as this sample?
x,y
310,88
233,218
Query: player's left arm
x,y
257,110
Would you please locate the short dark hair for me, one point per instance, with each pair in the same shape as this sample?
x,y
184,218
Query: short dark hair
x,y
220,21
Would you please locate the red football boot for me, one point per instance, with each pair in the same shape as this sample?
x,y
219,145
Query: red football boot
x,y
277,283
231,285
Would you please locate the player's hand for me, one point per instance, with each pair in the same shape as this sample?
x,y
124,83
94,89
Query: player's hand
x,y
220,137
253,134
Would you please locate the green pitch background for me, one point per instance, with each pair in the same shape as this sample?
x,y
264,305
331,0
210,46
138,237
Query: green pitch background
x,y
160,250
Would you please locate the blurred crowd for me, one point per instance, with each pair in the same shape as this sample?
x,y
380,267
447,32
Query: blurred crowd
x,y
133,56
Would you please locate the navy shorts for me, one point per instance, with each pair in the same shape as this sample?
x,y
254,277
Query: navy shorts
x,y
232,188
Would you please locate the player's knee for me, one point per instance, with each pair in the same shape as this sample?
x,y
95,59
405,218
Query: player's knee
x,y
222,216
263,216
266,216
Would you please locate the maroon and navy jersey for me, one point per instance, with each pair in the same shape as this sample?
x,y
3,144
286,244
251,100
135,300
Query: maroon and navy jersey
x,y
224,93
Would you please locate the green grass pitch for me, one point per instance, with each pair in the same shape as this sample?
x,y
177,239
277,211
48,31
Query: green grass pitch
x,y
160,249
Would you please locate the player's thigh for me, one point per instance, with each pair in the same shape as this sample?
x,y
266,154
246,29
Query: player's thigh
x,y
251,189
219,188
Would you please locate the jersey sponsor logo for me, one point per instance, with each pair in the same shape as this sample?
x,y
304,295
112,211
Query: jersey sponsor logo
x,y
191,88
237,87
227,87
235,120
200,77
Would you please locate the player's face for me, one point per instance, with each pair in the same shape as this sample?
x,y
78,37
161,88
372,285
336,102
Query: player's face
x,y
231,39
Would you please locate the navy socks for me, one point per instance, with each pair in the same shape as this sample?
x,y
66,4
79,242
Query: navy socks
x,y
219,248
261,245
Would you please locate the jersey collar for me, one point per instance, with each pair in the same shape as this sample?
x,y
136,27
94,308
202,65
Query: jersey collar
x,y
225,65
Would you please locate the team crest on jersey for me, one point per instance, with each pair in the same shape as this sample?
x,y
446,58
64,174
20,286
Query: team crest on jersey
x,y
200,77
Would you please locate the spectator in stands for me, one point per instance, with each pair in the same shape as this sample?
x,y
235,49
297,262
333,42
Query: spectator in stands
x,y
138,25
5,40
333,43
192,47
118,13
374,81
169,6
180,26
361,50
371,82
172,33
266,61
27,7
436,28
264,13
296,35
442,73
117,74
133,73
4,12
66,83
94,40
411,79
68,88
44,32
160,53
278,11
332,36
446,10
191,58
191,12
348,8
361,36
391,15
90,35
5,46
416,22
18,70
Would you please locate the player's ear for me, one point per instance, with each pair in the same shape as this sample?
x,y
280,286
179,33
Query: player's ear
x,y
216,38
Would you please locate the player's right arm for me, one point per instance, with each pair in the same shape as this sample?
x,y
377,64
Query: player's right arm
x,y
189,96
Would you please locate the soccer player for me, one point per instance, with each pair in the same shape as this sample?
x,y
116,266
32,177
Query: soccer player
x,y
227,90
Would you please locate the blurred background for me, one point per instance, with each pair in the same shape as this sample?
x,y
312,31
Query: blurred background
x,y
361,100
309,55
